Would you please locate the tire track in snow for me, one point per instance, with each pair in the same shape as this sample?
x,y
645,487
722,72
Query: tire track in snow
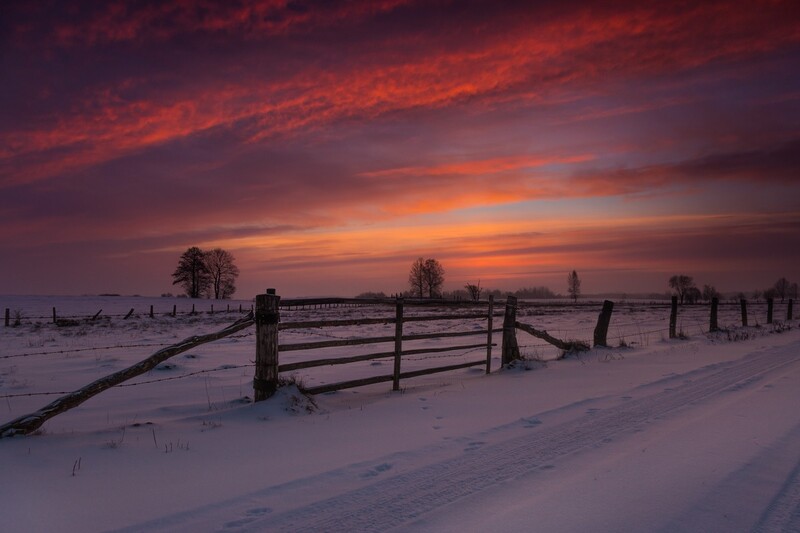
x,y
397,500
783,513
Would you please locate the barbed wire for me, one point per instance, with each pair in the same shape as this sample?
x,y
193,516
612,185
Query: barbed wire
x,y
157,380
89,349
182,376
35,394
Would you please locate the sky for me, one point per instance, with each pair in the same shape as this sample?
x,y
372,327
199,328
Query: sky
x,y
327,145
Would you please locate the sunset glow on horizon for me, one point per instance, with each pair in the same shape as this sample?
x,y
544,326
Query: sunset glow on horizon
x,y
329,144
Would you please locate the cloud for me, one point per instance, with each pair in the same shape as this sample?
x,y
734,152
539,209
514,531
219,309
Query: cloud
x,y
512,54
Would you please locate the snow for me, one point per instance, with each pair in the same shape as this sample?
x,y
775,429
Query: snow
x,y
698,434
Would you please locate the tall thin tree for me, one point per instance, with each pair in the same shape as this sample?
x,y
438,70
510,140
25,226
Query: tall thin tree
x,y
416,278
223,271
573,285
433,274
192,273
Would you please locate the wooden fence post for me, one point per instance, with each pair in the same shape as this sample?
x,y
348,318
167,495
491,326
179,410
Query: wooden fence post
x,y
714,326
510,346
8,315
192,310
673,318
398,343
267,316
744,312
151,311
174,310
129,314
601,329
212,309
54,315
770,307
788,310
490,325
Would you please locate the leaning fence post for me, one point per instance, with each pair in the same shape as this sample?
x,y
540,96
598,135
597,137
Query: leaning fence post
x,y
267,316
673,318
510,346
398,343
489,322
788,310
744,312
601,329
714,326
770,307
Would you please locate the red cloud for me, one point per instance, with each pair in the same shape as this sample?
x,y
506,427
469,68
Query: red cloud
x,y
507,57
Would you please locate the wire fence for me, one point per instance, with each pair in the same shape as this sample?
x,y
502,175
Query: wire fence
x,y
690,319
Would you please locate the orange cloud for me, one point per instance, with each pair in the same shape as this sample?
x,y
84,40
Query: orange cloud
x,y
574,48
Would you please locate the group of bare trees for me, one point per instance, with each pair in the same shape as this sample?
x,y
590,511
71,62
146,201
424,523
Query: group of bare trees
x,y
426,278
210,273
687,292
782,289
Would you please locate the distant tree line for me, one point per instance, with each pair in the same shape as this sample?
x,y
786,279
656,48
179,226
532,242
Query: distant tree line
x,y
684,288
210,273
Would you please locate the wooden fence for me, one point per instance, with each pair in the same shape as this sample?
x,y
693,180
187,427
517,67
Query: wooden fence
x,y
266,318
268,346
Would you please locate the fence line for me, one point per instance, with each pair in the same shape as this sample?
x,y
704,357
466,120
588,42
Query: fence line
x,y
267,368
29,423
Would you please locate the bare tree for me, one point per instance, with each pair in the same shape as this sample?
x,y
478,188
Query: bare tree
x,y
416,278
680,284
782,288
434,278
709,292
693,295
192,273
474,291
573,285
223,272
426,275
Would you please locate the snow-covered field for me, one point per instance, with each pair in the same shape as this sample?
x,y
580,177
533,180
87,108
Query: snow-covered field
x,y
700,434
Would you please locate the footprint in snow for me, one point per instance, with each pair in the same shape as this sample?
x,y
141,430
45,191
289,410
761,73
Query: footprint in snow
x,y
376,470
531,422
472,446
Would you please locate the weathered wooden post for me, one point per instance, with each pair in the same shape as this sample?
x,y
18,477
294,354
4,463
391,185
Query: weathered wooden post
x,y
174,310
398,343
151,311
714,326
130,313
212,309
603,321
489,326
192,310
770,307
8,316
673,318
744,312
267,316
788,310
54,315
510,346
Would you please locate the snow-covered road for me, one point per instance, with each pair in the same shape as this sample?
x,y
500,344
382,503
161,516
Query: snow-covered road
x,y
691,452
